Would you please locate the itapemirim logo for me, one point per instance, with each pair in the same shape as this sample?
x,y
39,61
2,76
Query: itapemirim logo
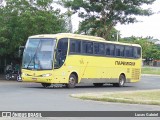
x,y
6,114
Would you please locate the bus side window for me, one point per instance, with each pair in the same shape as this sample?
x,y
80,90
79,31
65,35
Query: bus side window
x,y
72,46
99,48
75,46
110,50
128,51
119,50
87,47
61,53
137,52
96,49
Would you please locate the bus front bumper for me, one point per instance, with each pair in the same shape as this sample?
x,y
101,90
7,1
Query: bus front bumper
x,y
48,79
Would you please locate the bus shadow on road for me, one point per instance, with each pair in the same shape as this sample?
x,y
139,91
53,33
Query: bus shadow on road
x,y
81,87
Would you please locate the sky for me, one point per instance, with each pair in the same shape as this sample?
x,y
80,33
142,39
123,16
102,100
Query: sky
x,y
148,25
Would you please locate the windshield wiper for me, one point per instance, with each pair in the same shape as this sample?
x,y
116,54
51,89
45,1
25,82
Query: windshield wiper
x,y
33,58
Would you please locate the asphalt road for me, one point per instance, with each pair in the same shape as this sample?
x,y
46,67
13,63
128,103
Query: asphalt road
x,y
20,96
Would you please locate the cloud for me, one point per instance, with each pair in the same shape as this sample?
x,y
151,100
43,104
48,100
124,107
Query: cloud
x,y
150,26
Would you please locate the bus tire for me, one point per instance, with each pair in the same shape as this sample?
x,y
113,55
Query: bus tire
x,y
72,81
45,85
121,82
7,77
98,84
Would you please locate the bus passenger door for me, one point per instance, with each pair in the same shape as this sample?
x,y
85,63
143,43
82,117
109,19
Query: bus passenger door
x,y
59,62
61,52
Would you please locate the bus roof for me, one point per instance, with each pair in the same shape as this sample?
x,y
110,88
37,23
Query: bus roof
x,y
81,37
69,35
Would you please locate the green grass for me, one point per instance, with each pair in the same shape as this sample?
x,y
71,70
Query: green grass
x,y
147,70
150,97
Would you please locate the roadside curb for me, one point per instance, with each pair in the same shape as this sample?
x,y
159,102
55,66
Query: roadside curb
x,y
150,75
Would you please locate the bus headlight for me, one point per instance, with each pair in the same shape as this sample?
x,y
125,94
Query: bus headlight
x,y
46,75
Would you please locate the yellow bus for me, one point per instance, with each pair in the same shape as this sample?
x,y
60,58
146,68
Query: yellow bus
x,y
70,59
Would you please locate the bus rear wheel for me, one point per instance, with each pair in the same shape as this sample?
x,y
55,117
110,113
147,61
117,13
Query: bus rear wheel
x,y
121,82
45,85
72,81
98,84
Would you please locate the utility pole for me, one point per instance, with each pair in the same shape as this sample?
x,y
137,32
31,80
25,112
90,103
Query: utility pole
x,y
69,21
117,36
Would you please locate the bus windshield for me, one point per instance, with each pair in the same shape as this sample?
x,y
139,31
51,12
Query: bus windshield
x,y
38,54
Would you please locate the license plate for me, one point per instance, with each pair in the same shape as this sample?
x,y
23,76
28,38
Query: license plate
x,y
34,78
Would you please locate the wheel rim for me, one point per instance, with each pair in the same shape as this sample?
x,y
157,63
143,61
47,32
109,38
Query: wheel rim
x,y
72,81
7,76
121,82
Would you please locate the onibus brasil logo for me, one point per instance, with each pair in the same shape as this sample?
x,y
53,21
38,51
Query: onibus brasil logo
x,y
21,114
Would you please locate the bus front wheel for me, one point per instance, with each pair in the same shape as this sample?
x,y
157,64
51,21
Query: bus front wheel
x,y
45,85
121,82
72,81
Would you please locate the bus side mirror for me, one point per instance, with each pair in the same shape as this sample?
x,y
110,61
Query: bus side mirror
x,y
58,51
21,49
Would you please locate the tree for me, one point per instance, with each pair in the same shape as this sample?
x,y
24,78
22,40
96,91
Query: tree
x,y
100,16
21,18
149,49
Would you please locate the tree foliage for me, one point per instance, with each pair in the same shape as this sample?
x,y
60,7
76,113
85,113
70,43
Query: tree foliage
x,y
149,49
21,18
100,16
